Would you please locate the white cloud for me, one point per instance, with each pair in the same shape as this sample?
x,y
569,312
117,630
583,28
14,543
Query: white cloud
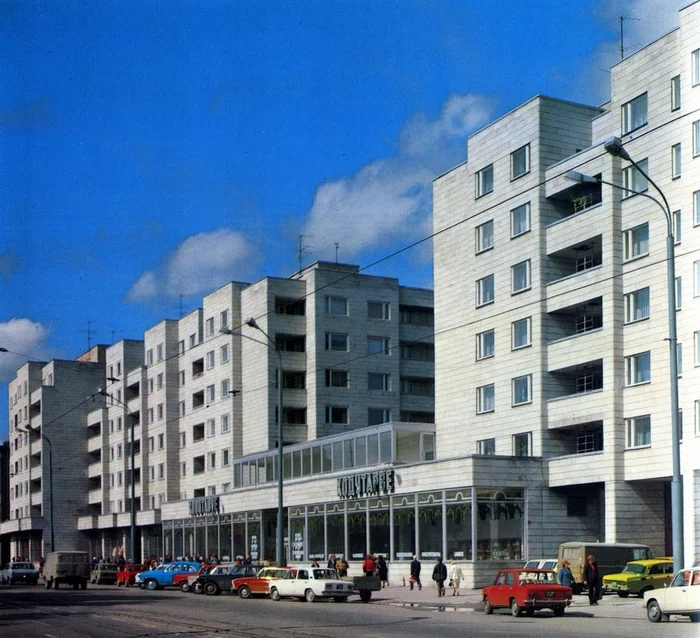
x,y
197,265
390,199
22,338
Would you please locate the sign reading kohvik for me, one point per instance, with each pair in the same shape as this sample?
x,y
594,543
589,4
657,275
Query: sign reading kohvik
x,y
367,484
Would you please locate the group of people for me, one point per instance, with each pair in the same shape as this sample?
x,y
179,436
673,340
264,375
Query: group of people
x,y
591,578
376,565
441,573
339,564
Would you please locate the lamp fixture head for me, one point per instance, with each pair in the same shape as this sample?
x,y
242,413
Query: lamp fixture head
x,y
250,321
613,145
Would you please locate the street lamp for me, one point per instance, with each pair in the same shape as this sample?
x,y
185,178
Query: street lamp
x,y
614,147
40,434
280,444
132,540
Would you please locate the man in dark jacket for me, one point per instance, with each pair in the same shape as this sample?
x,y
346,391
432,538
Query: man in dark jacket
x,y
440,576
415,573
591,578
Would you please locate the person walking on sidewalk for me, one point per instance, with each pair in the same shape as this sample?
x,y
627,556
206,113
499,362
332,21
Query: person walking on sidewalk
x,y
565,576
414,578
455,576
591,578
383,571
440,576
368,567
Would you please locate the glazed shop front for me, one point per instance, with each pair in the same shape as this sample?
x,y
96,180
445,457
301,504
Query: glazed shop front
x,y
366,514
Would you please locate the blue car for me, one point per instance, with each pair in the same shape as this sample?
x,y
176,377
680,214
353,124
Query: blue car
x,y
162,576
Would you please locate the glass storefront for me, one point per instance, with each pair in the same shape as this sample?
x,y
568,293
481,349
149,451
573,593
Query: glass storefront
x,y
500,523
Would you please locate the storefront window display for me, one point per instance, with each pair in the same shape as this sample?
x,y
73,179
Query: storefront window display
x,y
357,529
335,523
379,528
500,524
430,525
178,548
458,524
404,526
297,533
225,552
315,532
212,538
254,540
239,544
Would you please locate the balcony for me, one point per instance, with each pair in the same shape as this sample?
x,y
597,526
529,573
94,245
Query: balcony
x,y
574,320
197,368
290,342
198,400
290,306
95,470
574,259
95,496
132,391
94,444
578,469
574,200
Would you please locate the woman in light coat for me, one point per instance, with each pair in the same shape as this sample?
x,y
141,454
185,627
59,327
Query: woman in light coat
x,y
455,576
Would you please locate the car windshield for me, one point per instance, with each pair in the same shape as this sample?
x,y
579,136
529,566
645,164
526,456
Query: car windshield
x,y
681,579
631,568
325,573
21,566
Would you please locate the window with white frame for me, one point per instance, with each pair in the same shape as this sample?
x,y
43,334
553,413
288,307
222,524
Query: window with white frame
x,y
484,236
182,408
211,393
696,208
520,277
697,347
336,341
379,310
149,356
225,488
378,381
521,333
377,416
696,138
159,352
336,378
210,326
679,359
695,66
210,359
522,444
225,423
211,427
485,291
675,161
520,162
696,279
638,368
675,92
485,398
336,415
679,293
212,460
638,431
160,411
183,468
676,219
378,345
161,471
182,377
336,306
697,417
486,447
520,220
183,439
151,444
637,305
151,418
223,319
522,389
484,180
159,381
223,353
485,344
633,181
634,113
225,458
636,242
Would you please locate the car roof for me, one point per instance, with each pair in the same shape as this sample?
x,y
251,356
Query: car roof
x,y
650,561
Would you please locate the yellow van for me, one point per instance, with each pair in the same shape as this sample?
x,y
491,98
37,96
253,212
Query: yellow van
x,y
611,558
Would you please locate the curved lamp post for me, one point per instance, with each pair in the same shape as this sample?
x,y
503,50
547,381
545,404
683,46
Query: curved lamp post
x,y
614,147
40,434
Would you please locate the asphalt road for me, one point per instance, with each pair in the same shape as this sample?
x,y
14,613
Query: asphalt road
x,y
110,612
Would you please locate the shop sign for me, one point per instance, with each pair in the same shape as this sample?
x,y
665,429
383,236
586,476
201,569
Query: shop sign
x,y
366,484
204,506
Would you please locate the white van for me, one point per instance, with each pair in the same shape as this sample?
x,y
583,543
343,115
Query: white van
x,y
70,567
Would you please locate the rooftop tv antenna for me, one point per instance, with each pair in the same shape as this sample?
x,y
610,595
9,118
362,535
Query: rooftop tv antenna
x,y
337,245
622,35
301,248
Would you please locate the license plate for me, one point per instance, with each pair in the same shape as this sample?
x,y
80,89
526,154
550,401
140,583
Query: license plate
x,y
549,594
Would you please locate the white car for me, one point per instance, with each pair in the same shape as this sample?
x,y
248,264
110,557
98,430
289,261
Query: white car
x,y
310,584
681,597
20,572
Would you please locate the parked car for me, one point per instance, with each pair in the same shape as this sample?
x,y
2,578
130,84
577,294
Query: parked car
x,y
104,574
19,572
162,576
67,567
541,563
310,584
680,598
639,577
259,584
127,574
186,580
526,590
219,579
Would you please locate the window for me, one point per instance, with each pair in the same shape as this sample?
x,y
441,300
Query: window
x,y
182,408
485,291
183,439
679,293
484,236
697,348
211,427
522,444
193,341
151,444
520,277
484,181
377,416
210,326
636,242
378,310
149,357
632,179
336,415
336,341
182,377
520,220
225,458
211,393
697,417
210,359
696,138
634,113
695,66
223,354
521,333
676,218
486,447
161,471
212,460
638,431
150,416
696,208
378,345
696,279
485,344
522,390
159,381
676,161
336,378
638,368
679,358
225,424
160,412
378,381
336,306
225,388
183,468
676,93
159,352
520,162
223,319
119,451
485,399
637,305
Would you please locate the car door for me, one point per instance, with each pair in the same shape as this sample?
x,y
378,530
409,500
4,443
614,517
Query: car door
x,y
675,596
301,583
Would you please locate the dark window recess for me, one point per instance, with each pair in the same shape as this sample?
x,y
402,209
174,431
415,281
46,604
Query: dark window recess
x,y
198,463
576,505
199,492
197,432
289,306
293,416
197,367
294,380
290,343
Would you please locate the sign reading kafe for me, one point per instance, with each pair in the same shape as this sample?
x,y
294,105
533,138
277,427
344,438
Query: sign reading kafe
x,y
204,506
366,484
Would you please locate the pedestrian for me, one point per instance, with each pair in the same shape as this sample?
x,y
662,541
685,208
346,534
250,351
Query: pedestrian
x,y
591,578
440,576
331,561
42,560
565,576
383,571
342,566
314,563
455,577
368,566
414,578
246,560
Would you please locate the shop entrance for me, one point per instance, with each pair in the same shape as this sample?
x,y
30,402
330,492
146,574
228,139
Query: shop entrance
x,y
270,536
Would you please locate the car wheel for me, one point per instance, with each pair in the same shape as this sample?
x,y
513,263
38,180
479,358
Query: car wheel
x,y
515,608
643,591
184,586
654,613
488,608
559,611
210,589
274,594
151,584
244,591
625,594
340,599
365,595
530,611
309,595
197,588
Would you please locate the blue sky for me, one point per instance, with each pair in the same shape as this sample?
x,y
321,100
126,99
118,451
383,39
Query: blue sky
x,y
152,150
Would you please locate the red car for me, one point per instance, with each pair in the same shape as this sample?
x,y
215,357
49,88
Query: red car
x,y
249,585
127,575
526,590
